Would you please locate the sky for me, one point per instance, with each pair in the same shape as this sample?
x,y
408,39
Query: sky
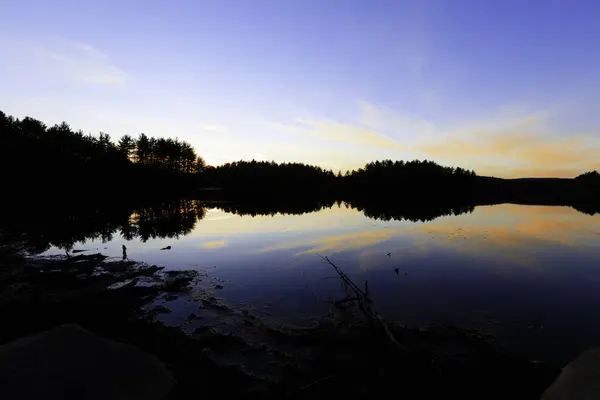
x,y
506,87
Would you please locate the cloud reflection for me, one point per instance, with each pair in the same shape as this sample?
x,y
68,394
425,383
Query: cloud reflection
x,y
338,243
515,233
215,244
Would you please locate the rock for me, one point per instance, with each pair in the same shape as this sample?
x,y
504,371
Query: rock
x,y
69,362
580,380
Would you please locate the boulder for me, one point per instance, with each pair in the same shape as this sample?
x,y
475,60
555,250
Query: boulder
x,y
69,362
579,380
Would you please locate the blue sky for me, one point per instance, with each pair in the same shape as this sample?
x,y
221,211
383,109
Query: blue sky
x,y
506,87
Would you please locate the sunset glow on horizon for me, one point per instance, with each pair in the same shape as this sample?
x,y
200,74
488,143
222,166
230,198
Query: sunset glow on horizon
x,y
507,88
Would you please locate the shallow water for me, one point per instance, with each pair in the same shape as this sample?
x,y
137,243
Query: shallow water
x,y
528,274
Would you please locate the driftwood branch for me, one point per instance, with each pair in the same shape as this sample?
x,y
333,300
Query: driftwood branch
x,y
316,382
362,298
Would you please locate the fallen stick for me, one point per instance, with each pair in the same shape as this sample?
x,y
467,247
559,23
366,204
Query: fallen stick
x,y
361,297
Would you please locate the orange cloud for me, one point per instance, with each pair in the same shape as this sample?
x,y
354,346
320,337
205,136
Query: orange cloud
x,y
532,154
350,134
542,172
214,244
593,165
509,143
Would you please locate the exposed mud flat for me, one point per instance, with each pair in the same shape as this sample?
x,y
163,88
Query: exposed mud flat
x,y
220,349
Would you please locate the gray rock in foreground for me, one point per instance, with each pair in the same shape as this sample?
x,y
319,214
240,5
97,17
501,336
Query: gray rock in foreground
x,y
580,380
69,362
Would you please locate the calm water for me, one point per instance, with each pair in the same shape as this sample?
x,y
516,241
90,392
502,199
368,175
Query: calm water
x,y
528,274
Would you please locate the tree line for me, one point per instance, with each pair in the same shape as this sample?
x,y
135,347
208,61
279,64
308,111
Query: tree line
x,y
61,141
171,154
404,179
268,178
34,155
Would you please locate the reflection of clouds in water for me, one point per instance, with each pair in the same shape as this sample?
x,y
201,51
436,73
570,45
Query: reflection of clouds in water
x,y
214,244
566,232
221,223
513,233
338,243
373,259
218,218
518,240
497,242
404,249
544,210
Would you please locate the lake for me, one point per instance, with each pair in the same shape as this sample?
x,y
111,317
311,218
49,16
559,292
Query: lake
x,y
529,275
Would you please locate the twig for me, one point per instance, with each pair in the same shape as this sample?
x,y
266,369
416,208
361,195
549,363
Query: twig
x,y
317,297
345,278
346,300
361,297
390,335
316,382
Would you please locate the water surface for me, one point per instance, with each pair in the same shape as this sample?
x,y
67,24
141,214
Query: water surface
x,y
527,274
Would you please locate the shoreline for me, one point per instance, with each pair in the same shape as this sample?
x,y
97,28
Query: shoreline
x,y
343,354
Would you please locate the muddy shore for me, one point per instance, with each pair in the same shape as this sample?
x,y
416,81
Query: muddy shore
x,y
344,354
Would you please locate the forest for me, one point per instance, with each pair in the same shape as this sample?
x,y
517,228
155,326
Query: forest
x,y
30,140
72,165
68,163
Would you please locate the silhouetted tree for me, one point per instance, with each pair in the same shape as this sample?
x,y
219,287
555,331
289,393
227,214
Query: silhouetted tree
x,y
143,149
418,180
200,164
127,146
592,176
258,178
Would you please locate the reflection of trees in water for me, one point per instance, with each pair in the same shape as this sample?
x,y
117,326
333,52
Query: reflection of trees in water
x,y
272,208
173,219
383,210
61,225
162,220
165,220
62,228
589,209
38,229
411,212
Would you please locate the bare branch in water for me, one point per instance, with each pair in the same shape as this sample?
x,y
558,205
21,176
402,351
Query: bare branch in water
x,y
316,382
362,298
317,297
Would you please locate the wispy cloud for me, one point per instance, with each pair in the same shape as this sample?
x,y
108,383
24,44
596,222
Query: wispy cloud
x,y
70,60
512,142
214,128
86,63
518,154
405,125
350,134
339,132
